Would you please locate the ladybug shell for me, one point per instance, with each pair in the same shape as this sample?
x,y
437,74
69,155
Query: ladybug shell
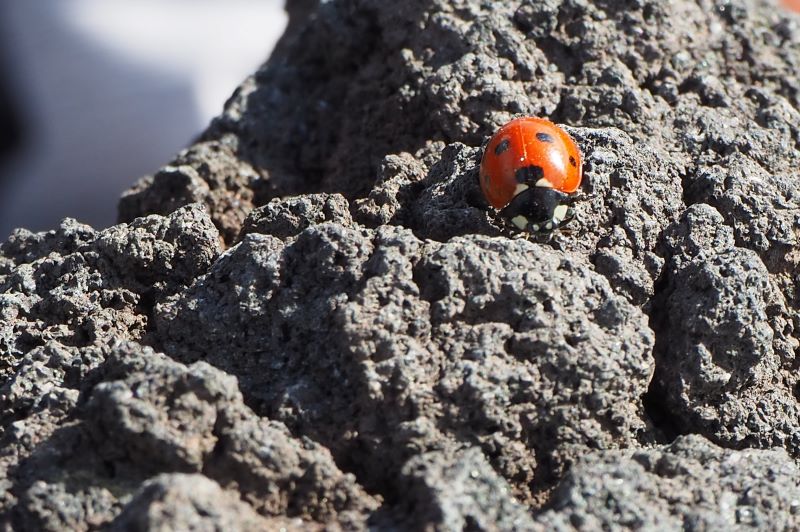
x,y
529,151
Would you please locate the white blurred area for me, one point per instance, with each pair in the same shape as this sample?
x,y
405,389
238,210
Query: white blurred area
x,y
109,90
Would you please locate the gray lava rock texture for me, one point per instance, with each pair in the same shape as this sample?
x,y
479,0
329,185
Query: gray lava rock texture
x,y
688,485
376,343
310,318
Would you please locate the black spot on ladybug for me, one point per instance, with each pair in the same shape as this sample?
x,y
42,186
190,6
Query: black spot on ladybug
x,y
503,146
572,161
529,174
544,137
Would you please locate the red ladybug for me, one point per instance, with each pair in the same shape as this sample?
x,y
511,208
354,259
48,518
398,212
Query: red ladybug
x,y
529,168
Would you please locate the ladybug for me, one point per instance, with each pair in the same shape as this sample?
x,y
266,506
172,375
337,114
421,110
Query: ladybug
x,y
528,170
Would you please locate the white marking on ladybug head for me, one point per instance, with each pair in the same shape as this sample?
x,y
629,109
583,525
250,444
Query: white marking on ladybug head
x,y
521,187
520,222
544,183
560,213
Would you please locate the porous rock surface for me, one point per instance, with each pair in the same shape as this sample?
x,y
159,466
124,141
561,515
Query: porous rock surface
x,y
310,319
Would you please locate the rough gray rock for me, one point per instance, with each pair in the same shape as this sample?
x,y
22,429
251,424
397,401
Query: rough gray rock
x,y
354,339
688,485
375,343
193,502
455,490
143,415
79,287
207,172
727,362
285,218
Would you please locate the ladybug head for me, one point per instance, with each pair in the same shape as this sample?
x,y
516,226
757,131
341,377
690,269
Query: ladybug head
x,y
538,209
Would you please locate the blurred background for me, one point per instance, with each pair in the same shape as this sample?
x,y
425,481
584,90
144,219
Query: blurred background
x,y
96,93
